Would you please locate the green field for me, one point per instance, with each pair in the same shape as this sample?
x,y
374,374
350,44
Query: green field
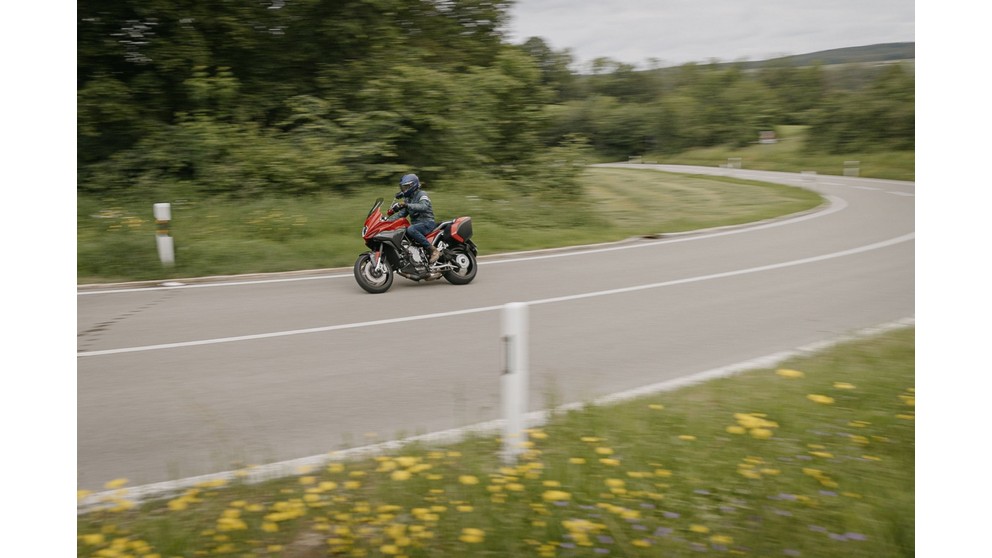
x,y
814,458
789,155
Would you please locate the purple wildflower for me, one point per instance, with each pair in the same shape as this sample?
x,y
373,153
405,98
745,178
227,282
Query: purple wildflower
x,y
671,515
856,537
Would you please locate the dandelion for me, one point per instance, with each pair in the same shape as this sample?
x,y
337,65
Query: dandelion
x,y
609,462
93,539
687,437
401,475
734,429
556,495
115,484
577,461
823,399
656,406
761,433
702,529
604,451
721,539
788,373
843,385
468,479
472,535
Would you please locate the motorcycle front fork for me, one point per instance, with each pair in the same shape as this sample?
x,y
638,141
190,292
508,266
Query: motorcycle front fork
x,y
377,260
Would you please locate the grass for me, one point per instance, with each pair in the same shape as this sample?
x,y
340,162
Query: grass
x,y
788,155
116,238
812,459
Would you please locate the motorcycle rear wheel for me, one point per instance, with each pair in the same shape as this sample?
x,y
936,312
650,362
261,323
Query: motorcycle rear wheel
x,y
463,275
368,278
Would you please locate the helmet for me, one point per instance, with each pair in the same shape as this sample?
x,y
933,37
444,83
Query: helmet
x,y
408,185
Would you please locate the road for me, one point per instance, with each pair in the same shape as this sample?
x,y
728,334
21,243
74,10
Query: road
x,y
209,376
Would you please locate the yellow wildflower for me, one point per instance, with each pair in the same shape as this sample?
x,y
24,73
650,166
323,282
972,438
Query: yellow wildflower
x,y
843,385
761,433
695,528
556,495
115,484
472,535
825,400
468,479
401,475
604,451
93,539
788,373
656,406
687,437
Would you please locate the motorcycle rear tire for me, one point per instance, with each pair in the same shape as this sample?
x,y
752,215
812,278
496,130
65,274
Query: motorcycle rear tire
x,y
368,279
463,276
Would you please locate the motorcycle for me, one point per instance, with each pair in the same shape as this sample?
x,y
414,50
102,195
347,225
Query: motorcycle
x,y
391,251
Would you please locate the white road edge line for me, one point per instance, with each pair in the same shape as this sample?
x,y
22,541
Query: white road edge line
x,y
256,474
802,261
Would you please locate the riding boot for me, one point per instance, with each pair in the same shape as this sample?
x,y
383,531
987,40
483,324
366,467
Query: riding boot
x,y
434,255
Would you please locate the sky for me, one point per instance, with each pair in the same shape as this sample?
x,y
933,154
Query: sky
x,y
678,31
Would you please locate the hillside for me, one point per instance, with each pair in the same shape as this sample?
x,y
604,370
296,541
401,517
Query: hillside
x,y
887,52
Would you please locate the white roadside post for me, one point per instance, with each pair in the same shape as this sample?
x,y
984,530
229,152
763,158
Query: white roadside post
x,y
163,239
514,379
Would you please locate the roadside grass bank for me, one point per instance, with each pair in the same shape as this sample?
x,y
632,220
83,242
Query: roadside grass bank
x,y
814,458
116,238
789,155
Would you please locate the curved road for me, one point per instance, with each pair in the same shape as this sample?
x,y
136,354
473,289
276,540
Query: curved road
x,y
175,382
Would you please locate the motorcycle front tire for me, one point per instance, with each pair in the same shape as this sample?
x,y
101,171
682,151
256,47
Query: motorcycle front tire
x,y
370,280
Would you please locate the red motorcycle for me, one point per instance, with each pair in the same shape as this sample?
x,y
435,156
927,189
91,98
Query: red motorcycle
x,y
392,251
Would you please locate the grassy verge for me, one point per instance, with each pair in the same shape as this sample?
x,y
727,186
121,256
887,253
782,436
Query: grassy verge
x,y
788,155
813,459
116,238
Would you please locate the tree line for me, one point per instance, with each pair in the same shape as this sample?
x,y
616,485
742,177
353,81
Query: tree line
x,y
301,96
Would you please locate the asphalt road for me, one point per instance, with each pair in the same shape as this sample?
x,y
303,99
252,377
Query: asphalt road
x,y
175,382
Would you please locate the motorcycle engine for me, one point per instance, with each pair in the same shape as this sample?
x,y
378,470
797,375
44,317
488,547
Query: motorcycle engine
x,y
415,253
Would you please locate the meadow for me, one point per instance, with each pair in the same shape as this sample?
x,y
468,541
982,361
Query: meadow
x,y
812,458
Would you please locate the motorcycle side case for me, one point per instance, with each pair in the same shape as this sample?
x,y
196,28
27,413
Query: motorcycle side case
x,y
460,230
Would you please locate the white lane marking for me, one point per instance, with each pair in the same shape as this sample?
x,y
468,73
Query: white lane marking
x,y
802,261
533,419
836,204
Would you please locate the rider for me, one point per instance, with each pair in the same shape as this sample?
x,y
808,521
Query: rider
x,y
417,205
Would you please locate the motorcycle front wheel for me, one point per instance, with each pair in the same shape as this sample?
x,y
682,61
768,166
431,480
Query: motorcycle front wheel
x,y
369,278
464,261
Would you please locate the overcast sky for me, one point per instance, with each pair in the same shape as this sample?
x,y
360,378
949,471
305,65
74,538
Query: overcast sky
x,y
680,31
